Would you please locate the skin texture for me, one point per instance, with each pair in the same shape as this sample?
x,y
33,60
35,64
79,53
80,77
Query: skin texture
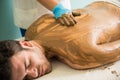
x,y
30,63
94,41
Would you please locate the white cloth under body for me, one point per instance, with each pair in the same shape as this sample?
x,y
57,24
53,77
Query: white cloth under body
x,y
61,71
27,11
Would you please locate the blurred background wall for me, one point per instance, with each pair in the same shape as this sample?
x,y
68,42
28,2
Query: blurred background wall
x,y
7,28
80,3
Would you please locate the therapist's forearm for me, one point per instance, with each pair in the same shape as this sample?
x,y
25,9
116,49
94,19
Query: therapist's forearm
x,y
49,4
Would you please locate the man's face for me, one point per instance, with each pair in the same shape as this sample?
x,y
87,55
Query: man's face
x,y
29,64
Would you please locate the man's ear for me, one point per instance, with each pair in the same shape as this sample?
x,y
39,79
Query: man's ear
x,y
25,44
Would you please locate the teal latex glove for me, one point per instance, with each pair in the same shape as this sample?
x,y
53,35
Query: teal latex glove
x,y
63,15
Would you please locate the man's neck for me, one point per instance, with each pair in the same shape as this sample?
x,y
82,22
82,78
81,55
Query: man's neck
x,y
38,45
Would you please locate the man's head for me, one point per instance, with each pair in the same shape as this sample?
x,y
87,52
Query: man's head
x,y
22,60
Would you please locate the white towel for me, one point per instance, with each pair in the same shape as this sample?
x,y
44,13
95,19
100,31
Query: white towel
x,y
63,72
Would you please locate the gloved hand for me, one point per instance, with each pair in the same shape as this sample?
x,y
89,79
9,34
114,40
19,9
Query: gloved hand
x,y
64,16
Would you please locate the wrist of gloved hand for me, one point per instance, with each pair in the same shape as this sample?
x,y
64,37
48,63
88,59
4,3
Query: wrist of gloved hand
x,y
59,10
64,16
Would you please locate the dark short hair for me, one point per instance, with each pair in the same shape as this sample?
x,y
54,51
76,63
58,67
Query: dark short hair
x,y
7,49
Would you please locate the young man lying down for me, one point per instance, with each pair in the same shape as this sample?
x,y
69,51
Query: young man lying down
x,y
94,41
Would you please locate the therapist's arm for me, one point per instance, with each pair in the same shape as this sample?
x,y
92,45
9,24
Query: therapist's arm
x,y
63,15
49,4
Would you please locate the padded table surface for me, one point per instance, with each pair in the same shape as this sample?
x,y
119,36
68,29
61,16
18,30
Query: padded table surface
x,y
61,71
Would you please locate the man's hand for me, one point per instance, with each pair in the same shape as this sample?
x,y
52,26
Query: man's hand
x,y
64,16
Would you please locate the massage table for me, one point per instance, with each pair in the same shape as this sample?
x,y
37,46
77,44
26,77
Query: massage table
x,y
61,71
